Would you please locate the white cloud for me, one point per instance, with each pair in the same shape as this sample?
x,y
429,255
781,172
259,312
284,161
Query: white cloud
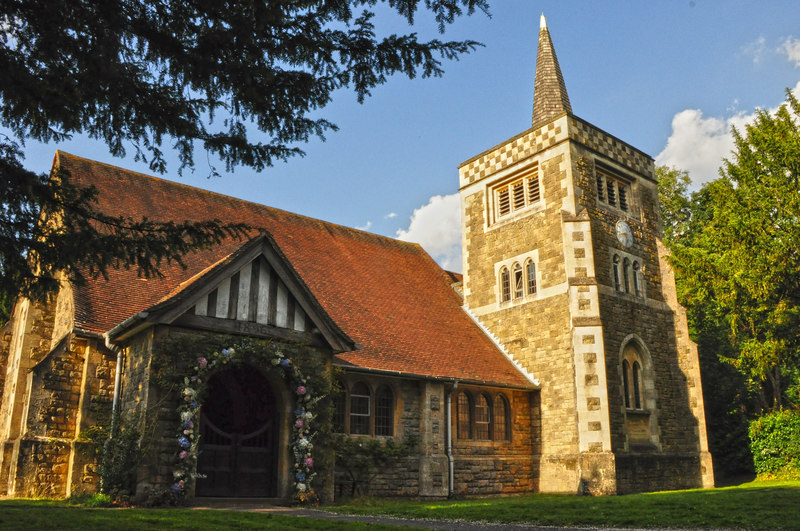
x,y
390,215
365,227
756,49
791,47
698,143
437,227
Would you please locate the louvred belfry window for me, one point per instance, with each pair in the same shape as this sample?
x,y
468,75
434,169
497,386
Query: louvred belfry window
x,y
612,190
517,193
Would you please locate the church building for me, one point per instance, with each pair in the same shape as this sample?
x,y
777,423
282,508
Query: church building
x,y
560,360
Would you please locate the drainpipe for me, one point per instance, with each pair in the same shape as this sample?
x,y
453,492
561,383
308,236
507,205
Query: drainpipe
x,y
117,381
449,445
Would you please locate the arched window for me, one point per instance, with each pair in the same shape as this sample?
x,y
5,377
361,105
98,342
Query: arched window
x,y
340,411
626,265
518,287
637,385
505,285
616,273
633,378
359,409
483,415
626,387
530,272
500,418
464,415
384,411
637,288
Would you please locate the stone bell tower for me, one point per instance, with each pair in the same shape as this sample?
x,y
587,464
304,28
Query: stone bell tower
x,y
563,263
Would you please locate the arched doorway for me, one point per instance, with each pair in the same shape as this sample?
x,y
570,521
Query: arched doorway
x,y
238,436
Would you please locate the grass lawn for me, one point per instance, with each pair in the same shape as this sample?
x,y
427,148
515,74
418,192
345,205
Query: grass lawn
x,y
57,514
756,505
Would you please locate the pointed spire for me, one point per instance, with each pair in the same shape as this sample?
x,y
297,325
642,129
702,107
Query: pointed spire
x,y
549,91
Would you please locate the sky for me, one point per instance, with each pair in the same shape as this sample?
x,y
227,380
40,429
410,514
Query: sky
x,y
669,77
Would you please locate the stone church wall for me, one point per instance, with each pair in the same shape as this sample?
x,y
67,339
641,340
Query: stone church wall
x,y
5,348
502,467
674,405
536,332
70,391
480,467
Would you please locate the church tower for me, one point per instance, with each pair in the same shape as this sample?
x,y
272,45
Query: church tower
x,y
563,263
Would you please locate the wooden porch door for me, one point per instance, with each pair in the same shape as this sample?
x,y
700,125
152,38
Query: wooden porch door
x,y
238,437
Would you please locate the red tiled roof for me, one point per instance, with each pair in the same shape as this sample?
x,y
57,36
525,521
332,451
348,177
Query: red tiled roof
x,y
388,296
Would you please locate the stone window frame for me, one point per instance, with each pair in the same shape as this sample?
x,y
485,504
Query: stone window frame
x,y
634,353
466,417
627,275
614,189
508,293
342,421
528,180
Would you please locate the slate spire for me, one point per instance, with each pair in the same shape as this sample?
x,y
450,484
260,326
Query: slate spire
x,y
549,91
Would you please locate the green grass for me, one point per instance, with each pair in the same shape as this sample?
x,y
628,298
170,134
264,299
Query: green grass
x,y
53,514
770,504
756,505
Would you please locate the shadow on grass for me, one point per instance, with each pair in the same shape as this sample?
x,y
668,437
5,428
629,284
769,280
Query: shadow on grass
x,y
755,505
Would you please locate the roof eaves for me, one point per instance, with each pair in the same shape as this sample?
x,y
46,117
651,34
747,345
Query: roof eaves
x,y
428,377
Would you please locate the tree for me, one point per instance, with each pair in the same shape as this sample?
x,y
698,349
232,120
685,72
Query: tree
x,y
199,74
728,404
742,260
673,185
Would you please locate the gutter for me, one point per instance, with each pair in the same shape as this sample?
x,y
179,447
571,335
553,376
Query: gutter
x,y
448,450
117,381
440,379
118,332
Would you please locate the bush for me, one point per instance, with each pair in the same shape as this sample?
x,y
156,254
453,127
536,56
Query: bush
x,y
361,460
775,442
120,459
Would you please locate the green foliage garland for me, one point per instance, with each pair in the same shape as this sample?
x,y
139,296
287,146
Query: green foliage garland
x,y
193,387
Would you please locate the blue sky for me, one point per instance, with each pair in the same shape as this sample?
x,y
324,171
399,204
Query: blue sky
x,y
669,77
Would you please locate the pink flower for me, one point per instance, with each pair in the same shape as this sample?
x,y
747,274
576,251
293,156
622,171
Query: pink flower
x,y
187,432
301,390
309,462
181,483
184,454
298,423
202,363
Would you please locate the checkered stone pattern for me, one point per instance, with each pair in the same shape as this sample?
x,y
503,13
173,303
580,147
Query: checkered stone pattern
x,y
515,149
609,146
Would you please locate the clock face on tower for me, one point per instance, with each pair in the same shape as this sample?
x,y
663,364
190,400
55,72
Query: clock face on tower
x,y
624,234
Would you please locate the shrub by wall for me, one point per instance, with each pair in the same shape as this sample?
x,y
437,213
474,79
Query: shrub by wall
x,y
775,442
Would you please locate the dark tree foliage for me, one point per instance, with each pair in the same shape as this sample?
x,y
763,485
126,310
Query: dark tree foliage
x,y
737,266
728,403
742,263
201,74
